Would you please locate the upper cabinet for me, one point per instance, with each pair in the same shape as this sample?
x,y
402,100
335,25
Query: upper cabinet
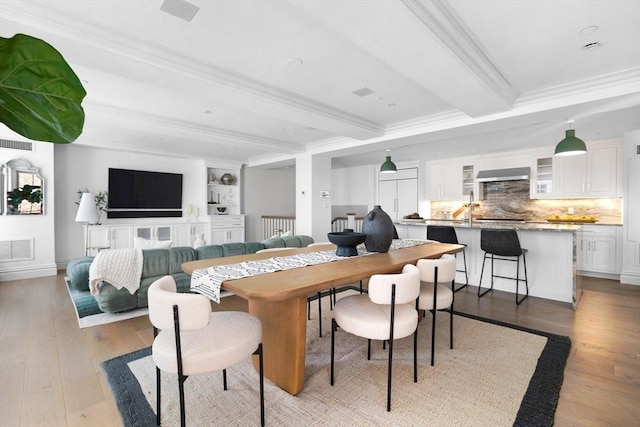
x,y
449,180
223,191
595,174
542,178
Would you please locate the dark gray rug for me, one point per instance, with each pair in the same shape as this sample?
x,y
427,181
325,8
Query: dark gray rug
x,y
473,356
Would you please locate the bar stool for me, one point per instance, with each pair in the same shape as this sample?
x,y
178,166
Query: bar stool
x,y
447,234
503,245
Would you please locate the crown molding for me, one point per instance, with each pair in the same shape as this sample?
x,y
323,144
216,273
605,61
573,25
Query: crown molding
x,y
47,19
442,20
118,115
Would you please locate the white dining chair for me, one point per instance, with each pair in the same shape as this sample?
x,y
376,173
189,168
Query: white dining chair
x,y
388,312
189,339
434,295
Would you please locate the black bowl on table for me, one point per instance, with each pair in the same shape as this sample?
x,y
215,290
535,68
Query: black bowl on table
x,y
346,242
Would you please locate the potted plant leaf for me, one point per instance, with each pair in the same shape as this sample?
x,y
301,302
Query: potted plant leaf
x,y
40,94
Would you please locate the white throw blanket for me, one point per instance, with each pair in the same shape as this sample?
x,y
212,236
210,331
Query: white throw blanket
x,y
120,267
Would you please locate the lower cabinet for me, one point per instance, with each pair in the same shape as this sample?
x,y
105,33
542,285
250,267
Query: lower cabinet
x,y
186,234
227,229
108,237
598,250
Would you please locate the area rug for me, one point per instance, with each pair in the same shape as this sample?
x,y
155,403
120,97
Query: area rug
x,y
496,375
89,314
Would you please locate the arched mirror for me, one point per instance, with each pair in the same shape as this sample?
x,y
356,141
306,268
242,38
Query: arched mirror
x,y
22,188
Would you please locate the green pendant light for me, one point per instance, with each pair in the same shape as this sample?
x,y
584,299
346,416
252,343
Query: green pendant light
x,y
570,145
388,166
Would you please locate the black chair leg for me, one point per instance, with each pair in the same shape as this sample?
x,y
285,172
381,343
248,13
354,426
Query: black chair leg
x,y
259,353
466,275
183,419
333,344
481,273
320,312
158,387
526,282
224,379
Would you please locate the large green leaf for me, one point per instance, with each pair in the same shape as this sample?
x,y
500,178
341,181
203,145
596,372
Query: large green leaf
x,y
40,95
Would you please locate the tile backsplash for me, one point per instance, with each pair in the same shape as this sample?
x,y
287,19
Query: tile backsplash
x,y
510,199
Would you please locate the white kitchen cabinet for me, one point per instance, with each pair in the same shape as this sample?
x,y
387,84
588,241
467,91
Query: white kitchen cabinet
x,y
186,234
398,193
542,179
598,250
227,229
108,237
595,174
154,232
449,180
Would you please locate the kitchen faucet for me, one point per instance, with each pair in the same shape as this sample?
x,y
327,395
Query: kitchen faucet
x,y
471,208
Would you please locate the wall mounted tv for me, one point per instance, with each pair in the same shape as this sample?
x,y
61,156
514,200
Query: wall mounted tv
x,y
144,194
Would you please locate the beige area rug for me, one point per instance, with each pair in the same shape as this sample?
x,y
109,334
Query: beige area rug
x,y
495,376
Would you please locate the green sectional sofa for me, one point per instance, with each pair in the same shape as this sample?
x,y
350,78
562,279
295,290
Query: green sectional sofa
x,y
162,262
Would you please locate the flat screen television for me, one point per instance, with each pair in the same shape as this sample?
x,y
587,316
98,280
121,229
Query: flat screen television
x,y
144,194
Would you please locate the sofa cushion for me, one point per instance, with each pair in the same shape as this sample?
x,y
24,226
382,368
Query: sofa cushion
x,y
253,247
305,240
179,255
78,273
274,242
231,249
291,241
209,251
155,263
112,300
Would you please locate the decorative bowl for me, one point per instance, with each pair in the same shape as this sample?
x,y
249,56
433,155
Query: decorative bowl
x,y
227,179
221,209
346,242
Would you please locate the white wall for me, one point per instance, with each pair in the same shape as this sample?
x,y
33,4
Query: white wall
x,y
40,228
267,192
631,229
78,167
354,186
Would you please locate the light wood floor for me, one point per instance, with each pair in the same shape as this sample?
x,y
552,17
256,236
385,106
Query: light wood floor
x,y
50,371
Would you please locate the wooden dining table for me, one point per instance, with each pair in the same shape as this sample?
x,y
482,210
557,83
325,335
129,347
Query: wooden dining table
x,y
279,299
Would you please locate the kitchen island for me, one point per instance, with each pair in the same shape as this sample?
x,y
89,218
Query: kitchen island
x,y
551,256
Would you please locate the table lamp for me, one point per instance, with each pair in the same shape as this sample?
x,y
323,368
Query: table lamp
x,y
88,214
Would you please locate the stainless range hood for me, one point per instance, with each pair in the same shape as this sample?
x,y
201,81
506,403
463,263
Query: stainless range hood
x,y
511,174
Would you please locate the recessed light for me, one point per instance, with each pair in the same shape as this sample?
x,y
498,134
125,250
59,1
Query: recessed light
x,y
589,30
392,104
591,46
294,62
207,112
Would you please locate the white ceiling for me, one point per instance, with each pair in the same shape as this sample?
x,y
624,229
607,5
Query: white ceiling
x,y
259,82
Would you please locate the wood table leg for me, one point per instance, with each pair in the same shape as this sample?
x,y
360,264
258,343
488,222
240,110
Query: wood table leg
x,y
284,334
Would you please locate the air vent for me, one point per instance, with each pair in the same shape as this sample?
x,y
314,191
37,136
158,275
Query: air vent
x,y
16,145
180,8
363,92
16,250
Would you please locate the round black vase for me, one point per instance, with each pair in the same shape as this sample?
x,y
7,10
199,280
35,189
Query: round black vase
x,y
378,227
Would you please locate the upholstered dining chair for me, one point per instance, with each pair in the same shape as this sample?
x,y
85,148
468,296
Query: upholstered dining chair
x,y
388,312
189,339
434,295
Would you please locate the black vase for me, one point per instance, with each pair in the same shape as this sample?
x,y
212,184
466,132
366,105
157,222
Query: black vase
x,y
378,227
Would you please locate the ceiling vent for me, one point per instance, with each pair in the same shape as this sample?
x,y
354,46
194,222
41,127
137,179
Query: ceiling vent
x,y
180,8
363,92
16,145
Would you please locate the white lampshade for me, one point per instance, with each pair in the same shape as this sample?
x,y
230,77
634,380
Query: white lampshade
x,y
87,211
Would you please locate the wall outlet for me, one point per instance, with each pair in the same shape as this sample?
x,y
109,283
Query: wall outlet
x,y
570,211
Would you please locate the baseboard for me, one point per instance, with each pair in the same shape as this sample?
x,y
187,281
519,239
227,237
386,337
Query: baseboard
x,y
630,278
27,272
599,275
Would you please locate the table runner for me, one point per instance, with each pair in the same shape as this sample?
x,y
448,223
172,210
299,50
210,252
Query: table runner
x,y
207,281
